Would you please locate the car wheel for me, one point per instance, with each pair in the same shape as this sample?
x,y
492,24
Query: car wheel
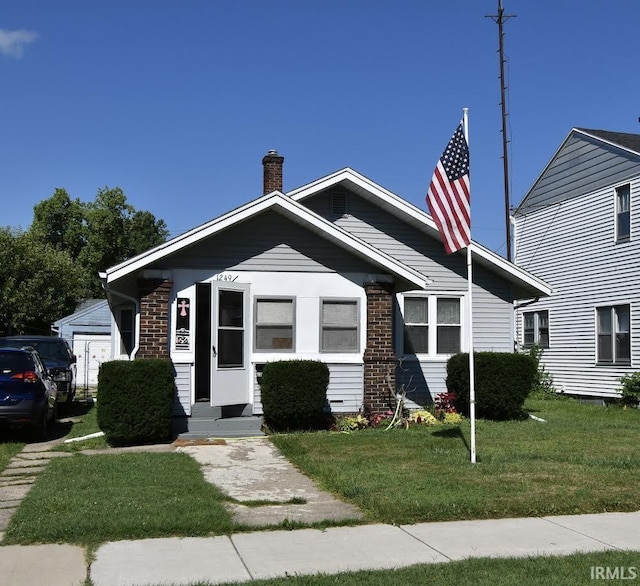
x,y
41,427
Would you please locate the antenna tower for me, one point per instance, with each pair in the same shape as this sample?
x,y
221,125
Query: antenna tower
x,y
500,19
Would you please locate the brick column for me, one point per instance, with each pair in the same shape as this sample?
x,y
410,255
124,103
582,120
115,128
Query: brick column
x,y
154,318
379,355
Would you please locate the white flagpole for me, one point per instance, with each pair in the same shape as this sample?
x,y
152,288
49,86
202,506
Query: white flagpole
x,y
472,383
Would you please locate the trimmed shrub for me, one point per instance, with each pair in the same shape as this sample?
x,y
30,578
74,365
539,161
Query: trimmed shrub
x,y
135,401
294,394
503,381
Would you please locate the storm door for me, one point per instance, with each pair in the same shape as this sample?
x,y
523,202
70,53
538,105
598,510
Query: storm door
x,y
230,348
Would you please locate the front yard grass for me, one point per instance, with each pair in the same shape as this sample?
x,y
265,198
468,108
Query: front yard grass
x,y
551,571
584,459
92,499
8,449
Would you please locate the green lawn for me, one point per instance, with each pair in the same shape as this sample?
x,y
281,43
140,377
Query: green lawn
x,y
85,417
92,499
585,459
550,571
8,449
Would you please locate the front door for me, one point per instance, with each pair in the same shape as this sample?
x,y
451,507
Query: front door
x,y
229,349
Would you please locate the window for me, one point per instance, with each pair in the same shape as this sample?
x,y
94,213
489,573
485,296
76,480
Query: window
x,y
444,313
416,325
613,333
536,328
127,330
274,324
623,213
339,325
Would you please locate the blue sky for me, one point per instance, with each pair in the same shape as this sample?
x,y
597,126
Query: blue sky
x,y
177,102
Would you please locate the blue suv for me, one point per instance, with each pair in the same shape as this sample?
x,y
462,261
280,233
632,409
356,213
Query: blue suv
x,y
27,393
58,359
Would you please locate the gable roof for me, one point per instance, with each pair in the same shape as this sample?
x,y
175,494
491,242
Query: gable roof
x,y
585,161
394,204
289,208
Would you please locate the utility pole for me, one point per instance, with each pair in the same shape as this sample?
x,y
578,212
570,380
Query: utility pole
x,y
500,19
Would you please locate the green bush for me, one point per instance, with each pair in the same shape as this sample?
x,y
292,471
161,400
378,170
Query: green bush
x,y
294,394
631,389
502,383
135,401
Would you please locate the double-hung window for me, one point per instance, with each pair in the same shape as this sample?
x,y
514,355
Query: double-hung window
x,y
432,324
613,334
339,325
274,322
536,328
623,213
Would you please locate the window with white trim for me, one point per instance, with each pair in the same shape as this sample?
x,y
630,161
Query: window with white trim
x,y
339,325
274,323
623,213
432,324
613,332
536,328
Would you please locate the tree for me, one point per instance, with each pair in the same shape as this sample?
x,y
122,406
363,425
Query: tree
x,y
115,233
38,283
59,221
97,234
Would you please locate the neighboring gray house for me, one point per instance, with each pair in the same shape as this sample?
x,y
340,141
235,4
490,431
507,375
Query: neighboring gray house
x,y
340,270
577,228
88,331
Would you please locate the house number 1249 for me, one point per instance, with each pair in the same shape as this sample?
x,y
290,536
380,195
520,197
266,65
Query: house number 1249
x,y
226,277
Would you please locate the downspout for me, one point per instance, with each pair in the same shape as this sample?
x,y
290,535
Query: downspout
x,y
136,304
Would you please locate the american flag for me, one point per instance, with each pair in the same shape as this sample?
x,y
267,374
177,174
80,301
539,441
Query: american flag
x,y
448,196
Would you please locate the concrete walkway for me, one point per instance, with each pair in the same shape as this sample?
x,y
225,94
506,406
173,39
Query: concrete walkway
x,y
255,470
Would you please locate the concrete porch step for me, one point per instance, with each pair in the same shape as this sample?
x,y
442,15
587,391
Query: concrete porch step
x,y
200,427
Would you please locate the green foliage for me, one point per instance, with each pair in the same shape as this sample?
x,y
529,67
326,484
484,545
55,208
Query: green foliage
x,y
543,383
135,403
39,283
59,221
294,394
503,381
115,232
631,389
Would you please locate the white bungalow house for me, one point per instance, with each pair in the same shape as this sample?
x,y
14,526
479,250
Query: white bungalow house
x,y
577,229
340,270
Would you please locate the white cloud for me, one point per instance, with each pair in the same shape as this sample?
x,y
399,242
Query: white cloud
x,y
12,43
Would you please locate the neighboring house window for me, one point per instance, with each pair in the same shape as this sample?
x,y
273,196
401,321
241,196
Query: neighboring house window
x,y
127,331
339,325
613,333
274,324
536,328
623,213
444,312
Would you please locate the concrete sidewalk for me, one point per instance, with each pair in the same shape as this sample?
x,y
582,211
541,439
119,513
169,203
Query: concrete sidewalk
x,y
247,556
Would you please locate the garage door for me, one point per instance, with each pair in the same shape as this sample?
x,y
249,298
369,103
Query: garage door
x,y
91,350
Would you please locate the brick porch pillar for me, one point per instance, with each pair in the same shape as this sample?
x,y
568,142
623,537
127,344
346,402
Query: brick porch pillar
x,y
379,355
154,318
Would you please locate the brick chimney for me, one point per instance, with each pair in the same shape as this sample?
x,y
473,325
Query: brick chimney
x,y
272,163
